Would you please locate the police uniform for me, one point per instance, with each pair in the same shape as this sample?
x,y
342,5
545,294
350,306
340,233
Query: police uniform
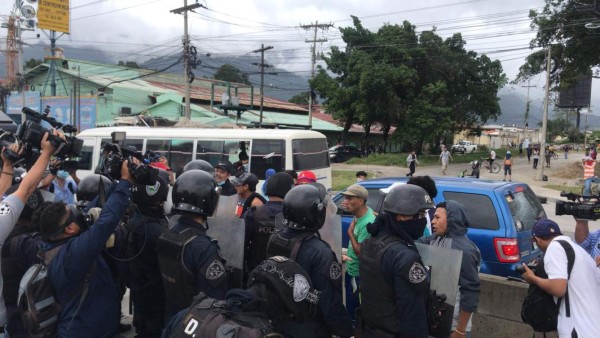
x,y
260,225
394,283
317,258
190,263
144,279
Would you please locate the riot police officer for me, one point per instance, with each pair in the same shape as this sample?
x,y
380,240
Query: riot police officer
x,y
200,165
304,210
260,221
393,279
190,262
278,289
143,229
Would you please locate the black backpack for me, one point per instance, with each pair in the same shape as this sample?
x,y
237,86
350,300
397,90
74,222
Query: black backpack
x,y
210,318
36,302
539,309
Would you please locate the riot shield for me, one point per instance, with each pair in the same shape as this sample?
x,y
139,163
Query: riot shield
x,y
444,268
331,232
229,231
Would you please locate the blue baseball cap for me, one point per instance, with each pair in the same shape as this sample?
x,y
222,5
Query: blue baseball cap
x,y
545,227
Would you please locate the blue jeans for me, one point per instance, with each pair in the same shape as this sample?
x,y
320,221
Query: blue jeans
x,y
352,297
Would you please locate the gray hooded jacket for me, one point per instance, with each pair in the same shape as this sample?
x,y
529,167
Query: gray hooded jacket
x,y
455,238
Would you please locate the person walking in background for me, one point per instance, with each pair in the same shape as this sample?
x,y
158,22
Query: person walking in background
x,y
536,157
445,158
547,156
566,150
529,151
521,149
508,166
412,161
492,158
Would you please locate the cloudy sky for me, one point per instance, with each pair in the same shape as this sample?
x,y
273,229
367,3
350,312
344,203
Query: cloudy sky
x,y
137,30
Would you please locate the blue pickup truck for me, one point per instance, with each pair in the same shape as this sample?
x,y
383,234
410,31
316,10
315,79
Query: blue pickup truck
x,y
501,215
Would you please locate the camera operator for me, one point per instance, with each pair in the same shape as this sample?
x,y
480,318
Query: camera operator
x,y
12,205
78,273
590,242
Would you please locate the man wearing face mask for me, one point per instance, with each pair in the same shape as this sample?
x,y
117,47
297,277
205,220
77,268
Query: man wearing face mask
x,y
60,183
394,281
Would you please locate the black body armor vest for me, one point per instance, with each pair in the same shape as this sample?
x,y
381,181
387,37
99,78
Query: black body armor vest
x,y
379,309
264,227
280,246
179,282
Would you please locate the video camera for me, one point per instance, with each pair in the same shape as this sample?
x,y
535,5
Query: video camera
x,y
584,206
31,133
143,174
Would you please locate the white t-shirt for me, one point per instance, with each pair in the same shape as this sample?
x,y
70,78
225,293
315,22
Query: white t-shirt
x,y
493,155
445,156
10,210
584,289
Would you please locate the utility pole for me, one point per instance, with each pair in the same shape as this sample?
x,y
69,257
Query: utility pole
x,y
262,66
540,172
314,41
186,52
527,106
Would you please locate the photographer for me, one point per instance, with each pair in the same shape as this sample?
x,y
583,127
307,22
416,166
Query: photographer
x,y
12,205
78,273
60,183
588,241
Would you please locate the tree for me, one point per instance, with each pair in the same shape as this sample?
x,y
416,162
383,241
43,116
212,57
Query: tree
x,y
301,99
575,48
129,64
230,73
428,86
32,63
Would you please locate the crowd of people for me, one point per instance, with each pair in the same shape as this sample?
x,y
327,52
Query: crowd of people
x,y
116,235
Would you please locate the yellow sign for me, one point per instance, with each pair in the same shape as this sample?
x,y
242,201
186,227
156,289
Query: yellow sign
x,y
54,15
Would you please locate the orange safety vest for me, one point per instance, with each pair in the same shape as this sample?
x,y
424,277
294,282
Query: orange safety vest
x,y
588,169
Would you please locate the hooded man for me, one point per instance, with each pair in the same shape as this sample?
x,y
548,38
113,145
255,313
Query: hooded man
x,y
449,225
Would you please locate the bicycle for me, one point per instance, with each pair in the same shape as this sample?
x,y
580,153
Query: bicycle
x,y
495,166
554,155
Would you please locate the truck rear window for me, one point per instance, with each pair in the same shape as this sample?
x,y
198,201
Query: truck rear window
x,y
525,209
480,209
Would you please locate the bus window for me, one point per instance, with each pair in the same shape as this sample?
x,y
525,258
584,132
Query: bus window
x,y
232,150
177,152
210,151
85,161
181,153
310,154
267,154
138,144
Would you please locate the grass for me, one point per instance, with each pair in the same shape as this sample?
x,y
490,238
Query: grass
x,y
345,178
568,188
399,159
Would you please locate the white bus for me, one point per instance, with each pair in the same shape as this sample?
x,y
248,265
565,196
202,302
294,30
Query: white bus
x,y
279,149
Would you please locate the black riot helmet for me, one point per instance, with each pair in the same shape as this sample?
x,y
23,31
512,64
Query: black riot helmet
x,y
152,194
200,165
89,188
304,207
195,192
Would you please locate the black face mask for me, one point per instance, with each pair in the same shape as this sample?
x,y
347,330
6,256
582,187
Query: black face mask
x,y
414,227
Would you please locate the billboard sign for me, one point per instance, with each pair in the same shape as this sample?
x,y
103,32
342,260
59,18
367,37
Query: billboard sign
x,y
54,15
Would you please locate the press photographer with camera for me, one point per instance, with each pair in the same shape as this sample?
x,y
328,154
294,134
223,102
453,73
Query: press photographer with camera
x,y
78,273
60,183
12,205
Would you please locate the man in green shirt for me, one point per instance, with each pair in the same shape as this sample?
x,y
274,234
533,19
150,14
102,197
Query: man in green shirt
x,y
355,203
